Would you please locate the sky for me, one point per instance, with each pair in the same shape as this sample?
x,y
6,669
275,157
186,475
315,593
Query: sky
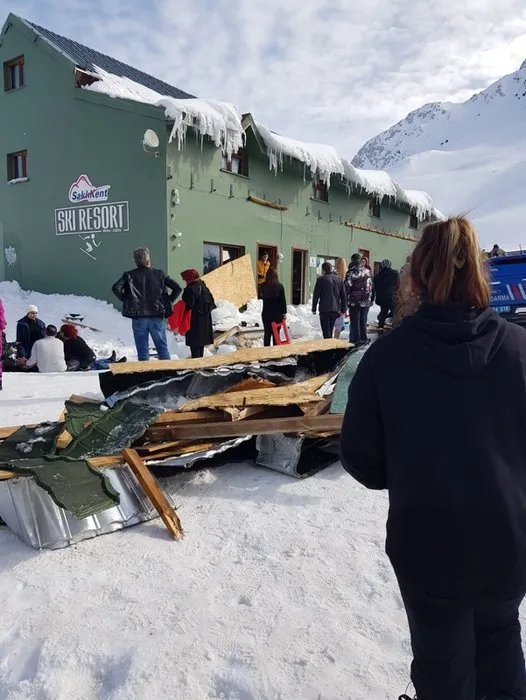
x,y
328,71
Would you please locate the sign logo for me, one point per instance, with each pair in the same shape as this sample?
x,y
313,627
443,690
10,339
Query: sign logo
x,y
83,191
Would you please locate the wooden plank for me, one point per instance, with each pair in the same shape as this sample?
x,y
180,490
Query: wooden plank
x,y
154,493
328,423
9,430
251,384
243,356
203,416
244,413
317,409
291,394
223,337
63,440
234,281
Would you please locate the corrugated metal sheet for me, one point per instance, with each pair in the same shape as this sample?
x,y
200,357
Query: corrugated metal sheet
x,y
33,515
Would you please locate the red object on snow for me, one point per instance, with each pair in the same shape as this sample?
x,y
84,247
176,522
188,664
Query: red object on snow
x,y
276,330
180,319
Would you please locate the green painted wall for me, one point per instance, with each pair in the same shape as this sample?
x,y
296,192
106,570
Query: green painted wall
x,y
67,132
225,216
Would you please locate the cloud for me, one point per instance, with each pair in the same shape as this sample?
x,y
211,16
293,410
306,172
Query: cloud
x,y
326,70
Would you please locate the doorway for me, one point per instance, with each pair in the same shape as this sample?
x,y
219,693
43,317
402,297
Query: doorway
x,y
272,251
299,276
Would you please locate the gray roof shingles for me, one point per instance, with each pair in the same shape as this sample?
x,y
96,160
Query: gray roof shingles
x,y
87,59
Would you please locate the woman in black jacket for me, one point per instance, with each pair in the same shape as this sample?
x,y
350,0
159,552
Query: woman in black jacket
x,y
436,414
274,305
78,354
198,298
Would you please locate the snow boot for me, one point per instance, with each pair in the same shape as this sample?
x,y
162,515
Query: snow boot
x,y
123,359
113,356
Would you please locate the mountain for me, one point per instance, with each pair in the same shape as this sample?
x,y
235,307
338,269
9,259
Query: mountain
x,y
470,157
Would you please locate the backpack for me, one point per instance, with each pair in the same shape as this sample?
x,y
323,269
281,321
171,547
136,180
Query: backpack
x,y
358,289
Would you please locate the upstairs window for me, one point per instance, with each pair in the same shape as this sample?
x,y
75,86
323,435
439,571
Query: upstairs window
x,y
413,220
17,166
375,207
237,163
320,191
14,74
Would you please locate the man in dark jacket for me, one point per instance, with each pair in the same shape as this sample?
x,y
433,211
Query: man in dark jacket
x,y
384,291
30,329
145,300
329,294
442,382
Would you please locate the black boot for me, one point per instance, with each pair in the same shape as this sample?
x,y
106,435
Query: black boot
x,y
113,357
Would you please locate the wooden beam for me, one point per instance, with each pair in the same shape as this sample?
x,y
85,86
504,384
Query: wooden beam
x,y
154,493
245,356
328,423
222,337
204,416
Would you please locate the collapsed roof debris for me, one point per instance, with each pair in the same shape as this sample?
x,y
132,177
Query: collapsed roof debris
x,y
89,473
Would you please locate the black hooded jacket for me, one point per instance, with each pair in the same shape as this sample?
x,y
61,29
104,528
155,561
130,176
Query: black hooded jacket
x,y
437,415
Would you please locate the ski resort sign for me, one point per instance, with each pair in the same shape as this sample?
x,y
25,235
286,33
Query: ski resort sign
x,y
92,213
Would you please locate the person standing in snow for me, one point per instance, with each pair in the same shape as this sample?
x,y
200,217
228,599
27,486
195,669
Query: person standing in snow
x,y
359,288
385,289
274,305
496,252
340,267
2,336
200,302
47,354
329,293
145,300
456,530
29,329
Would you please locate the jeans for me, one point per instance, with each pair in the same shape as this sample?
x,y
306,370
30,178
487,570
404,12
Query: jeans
x,y
358,316
327,321
99,364
154,327
465,649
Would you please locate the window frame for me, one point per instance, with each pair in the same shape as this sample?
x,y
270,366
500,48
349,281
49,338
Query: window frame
x,y
375,207
222,246
19,63
413,220
12,165
320,187
242,159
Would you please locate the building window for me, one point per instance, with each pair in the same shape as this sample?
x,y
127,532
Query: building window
x,y
320,191
375,207
17,166
320,259
413,220
237,163
217,254
14,74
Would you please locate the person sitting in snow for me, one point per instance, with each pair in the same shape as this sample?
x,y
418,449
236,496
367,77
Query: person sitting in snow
x,y
29,329
47,354
79,355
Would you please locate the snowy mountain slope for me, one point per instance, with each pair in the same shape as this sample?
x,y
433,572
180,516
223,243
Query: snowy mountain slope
x,y
446,126
470,157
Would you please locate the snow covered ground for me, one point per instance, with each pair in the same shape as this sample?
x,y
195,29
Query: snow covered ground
x,y
280,590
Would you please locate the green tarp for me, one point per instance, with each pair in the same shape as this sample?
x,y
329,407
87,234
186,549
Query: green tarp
x,y
339,397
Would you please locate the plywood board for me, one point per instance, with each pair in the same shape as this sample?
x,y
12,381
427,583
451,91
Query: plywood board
x,y
243,356
300,393
233,282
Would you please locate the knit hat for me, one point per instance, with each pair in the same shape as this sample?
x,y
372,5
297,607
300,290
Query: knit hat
x,y
190,275
32,309
385,264
68,330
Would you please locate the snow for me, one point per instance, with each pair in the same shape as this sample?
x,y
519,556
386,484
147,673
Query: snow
x,y
322,161
470,157
222,123
280,590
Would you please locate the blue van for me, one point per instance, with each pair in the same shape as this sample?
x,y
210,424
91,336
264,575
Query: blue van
x,y
508,287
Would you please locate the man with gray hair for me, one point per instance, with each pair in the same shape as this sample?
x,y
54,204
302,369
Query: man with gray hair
x,y
145,299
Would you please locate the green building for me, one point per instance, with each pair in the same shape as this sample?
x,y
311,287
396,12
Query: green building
x,y
101,158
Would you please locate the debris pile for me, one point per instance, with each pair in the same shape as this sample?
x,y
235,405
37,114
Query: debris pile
x,y
92,471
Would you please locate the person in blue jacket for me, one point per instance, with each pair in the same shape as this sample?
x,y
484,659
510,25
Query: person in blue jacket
x,y
29,329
